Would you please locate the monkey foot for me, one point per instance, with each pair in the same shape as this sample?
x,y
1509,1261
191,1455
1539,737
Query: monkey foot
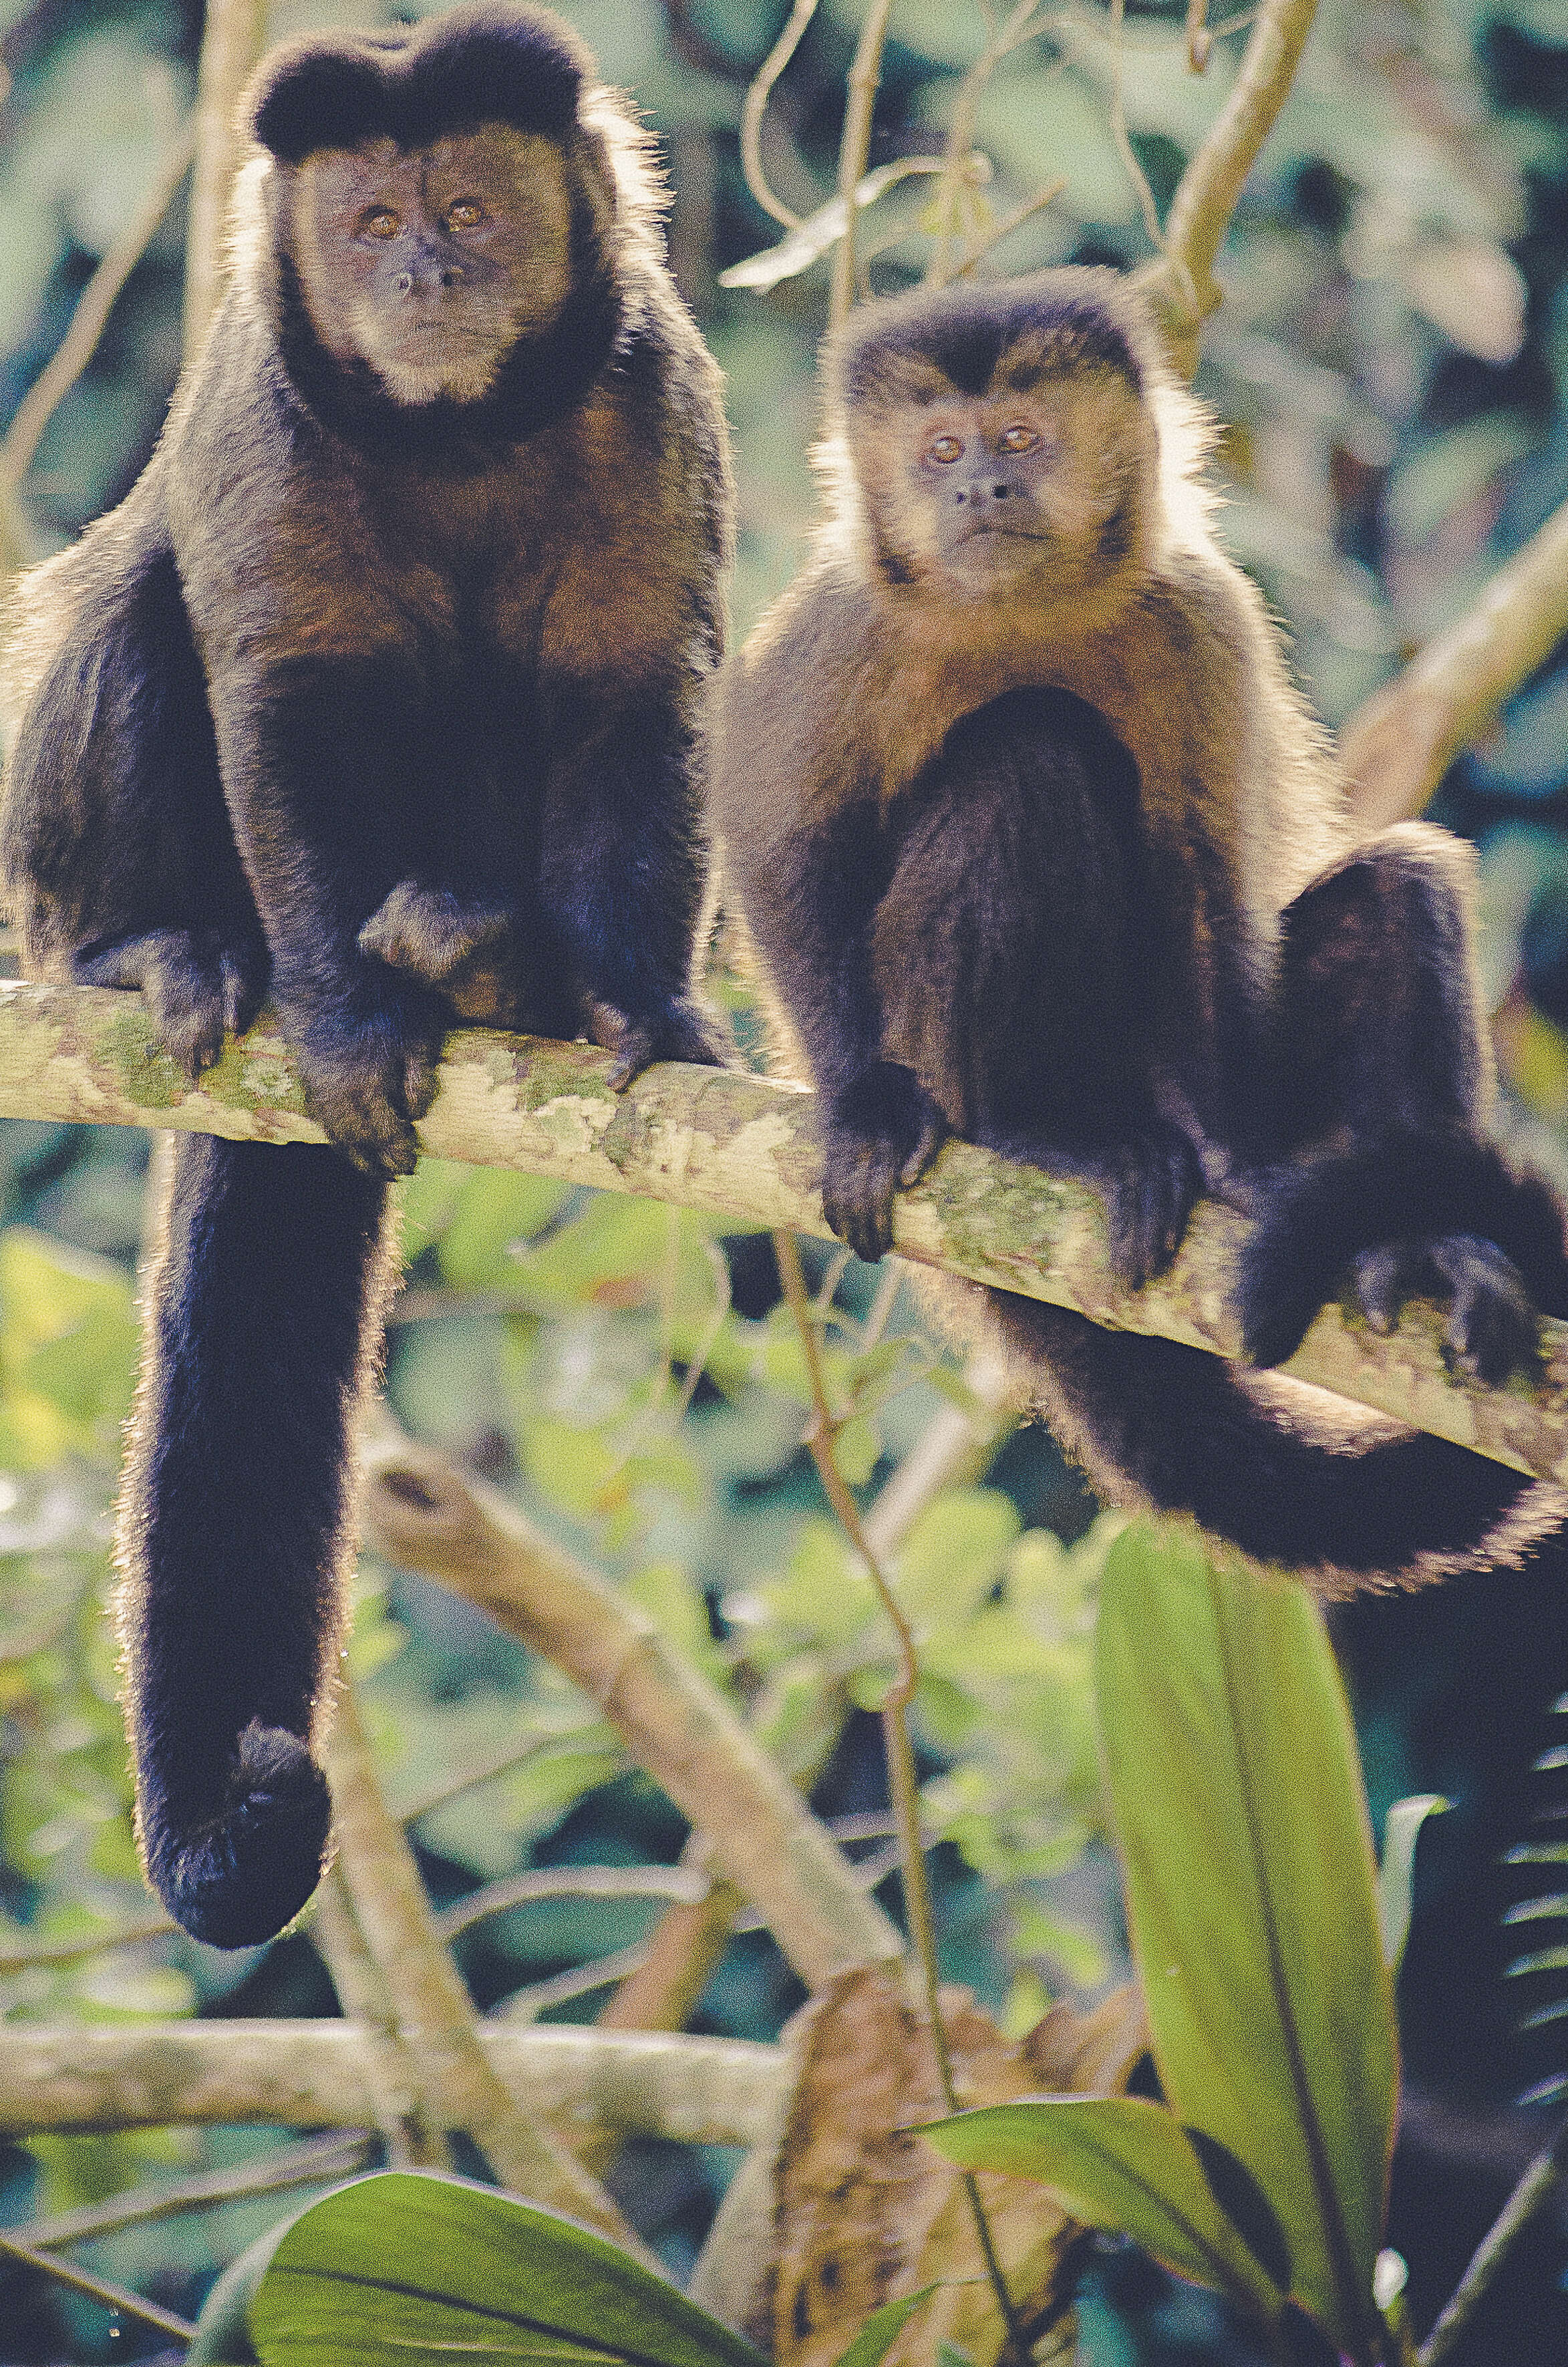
x,y
246,1875
1491,1329
684,1030
883,1130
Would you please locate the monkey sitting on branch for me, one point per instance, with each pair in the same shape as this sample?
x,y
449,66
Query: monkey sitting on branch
x,y
379,696
1038,845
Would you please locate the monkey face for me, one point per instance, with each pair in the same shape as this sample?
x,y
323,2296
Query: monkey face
x,y
1030,486
429,263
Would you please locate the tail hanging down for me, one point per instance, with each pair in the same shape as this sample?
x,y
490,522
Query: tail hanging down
x,y
265,1319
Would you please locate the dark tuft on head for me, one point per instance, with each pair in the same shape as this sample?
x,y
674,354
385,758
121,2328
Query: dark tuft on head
x,y
483,63
1051,323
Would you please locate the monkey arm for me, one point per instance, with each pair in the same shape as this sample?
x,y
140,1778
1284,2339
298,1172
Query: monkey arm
x,y
318,759
811,902
623,866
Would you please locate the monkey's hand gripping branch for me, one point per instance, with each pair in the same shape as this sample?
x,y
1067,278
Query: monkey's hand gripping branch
x,y
746,1147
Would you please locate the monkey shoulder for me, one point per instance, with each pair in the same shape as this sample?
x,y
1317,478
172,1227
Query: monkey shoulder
x,y
790,728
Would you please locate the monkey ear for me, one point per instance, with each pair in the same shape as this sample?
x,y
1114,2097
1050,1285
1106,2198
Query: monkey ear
x,y
310,95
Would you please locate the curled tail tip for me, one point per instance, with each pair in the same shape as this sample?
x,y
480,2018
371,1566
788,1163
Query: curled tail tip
x,y
240,1879
1415,1183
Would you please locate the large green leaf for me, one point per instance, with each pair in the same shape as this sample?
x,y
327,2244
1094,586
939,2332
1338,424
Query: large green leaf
x,y
881,2331
1116,2162
1238,1803
423,2270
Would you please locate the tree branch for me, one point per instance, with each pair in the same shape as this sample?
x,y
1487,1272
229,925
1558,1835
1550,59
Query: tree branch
x,y
1182,282
318,2075
1397,744
459,2086
745,1147
90,318
426,1516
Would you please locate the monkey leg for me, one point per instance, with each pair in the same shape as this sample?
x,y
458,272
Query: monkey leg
x,y
118,849
1381,1077
1019,958
235,1527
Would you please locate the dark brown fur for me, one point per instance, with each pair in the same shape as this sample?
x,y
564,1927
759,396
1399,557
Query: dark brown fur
x,y
379,696
1038,845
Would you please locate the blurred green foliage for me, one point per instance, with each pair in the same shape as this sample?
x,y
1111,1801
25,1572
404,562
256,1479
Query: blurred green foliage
x,y
1391,373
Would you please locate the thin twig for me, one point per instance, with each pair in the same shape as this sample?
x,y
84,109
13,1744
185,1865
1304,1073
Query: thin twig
x,y
1008,224
94,305
98,2289
581,1980
75,1952
570,1882
755,107
865,74
1539,2183
231,45
318,2161
956,156
902,1787
1125,149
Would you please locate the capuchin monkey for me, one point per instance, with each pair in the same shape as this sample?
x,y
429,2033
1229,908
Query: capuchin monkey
x,y
1037,846
377,697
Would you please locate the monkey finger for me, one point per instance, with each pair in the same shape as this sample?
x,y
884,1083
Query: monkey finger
x,y
933,1134
1381,1279
1493,1329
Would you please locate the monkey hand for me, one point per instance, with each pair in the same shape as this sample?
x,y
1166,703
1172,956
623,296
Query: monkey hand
x,y
431,933
682,1031
883,1130
368,1059
1150,1188
198,985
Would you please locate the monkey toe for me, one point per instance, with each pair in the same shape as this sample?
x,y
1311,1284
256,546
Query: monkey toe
x,y
1493,1329
368,1067
682,1031
1150,1198
883,1130
240,1879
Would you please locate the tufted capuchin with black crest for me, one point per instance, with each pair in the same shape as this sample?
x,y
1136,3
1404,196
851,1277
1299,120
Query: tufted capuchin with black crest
x,y
379,698
1039,844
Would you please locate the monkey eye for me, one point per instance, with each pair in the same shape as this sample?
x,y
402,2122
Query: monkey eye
x,y
465,214
382,221
1017,438
945,448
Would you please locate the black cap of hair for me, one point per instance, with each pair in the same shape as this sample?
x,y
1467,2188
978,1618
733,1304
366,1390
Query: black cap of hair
x,y
483,63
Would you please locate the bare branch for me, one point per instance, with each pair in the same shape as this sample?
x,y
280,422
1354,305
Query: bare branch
x,y
319,2161
1397,744
1541,2181
1182,284
459,2086
864,72
755,107
746,1147
1015,29
423,1514
231,45
306,2075
94,305
111,2297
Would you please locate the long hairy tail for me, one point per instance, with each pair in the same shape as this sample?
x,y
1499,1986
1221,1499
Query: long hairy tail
x,y
264,1306
1287,1474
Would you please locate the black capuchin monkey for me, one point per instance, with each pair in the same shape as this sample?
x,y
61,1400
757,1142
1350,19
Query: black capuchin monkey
x,y
1037,846
378,696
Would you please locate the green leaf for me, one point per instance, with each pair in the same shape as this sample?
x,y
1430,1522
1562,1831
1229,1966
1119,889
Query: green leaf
x,y
1237,1800
1118,2162
881,2331
222,2331
1396,1874
429,2269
